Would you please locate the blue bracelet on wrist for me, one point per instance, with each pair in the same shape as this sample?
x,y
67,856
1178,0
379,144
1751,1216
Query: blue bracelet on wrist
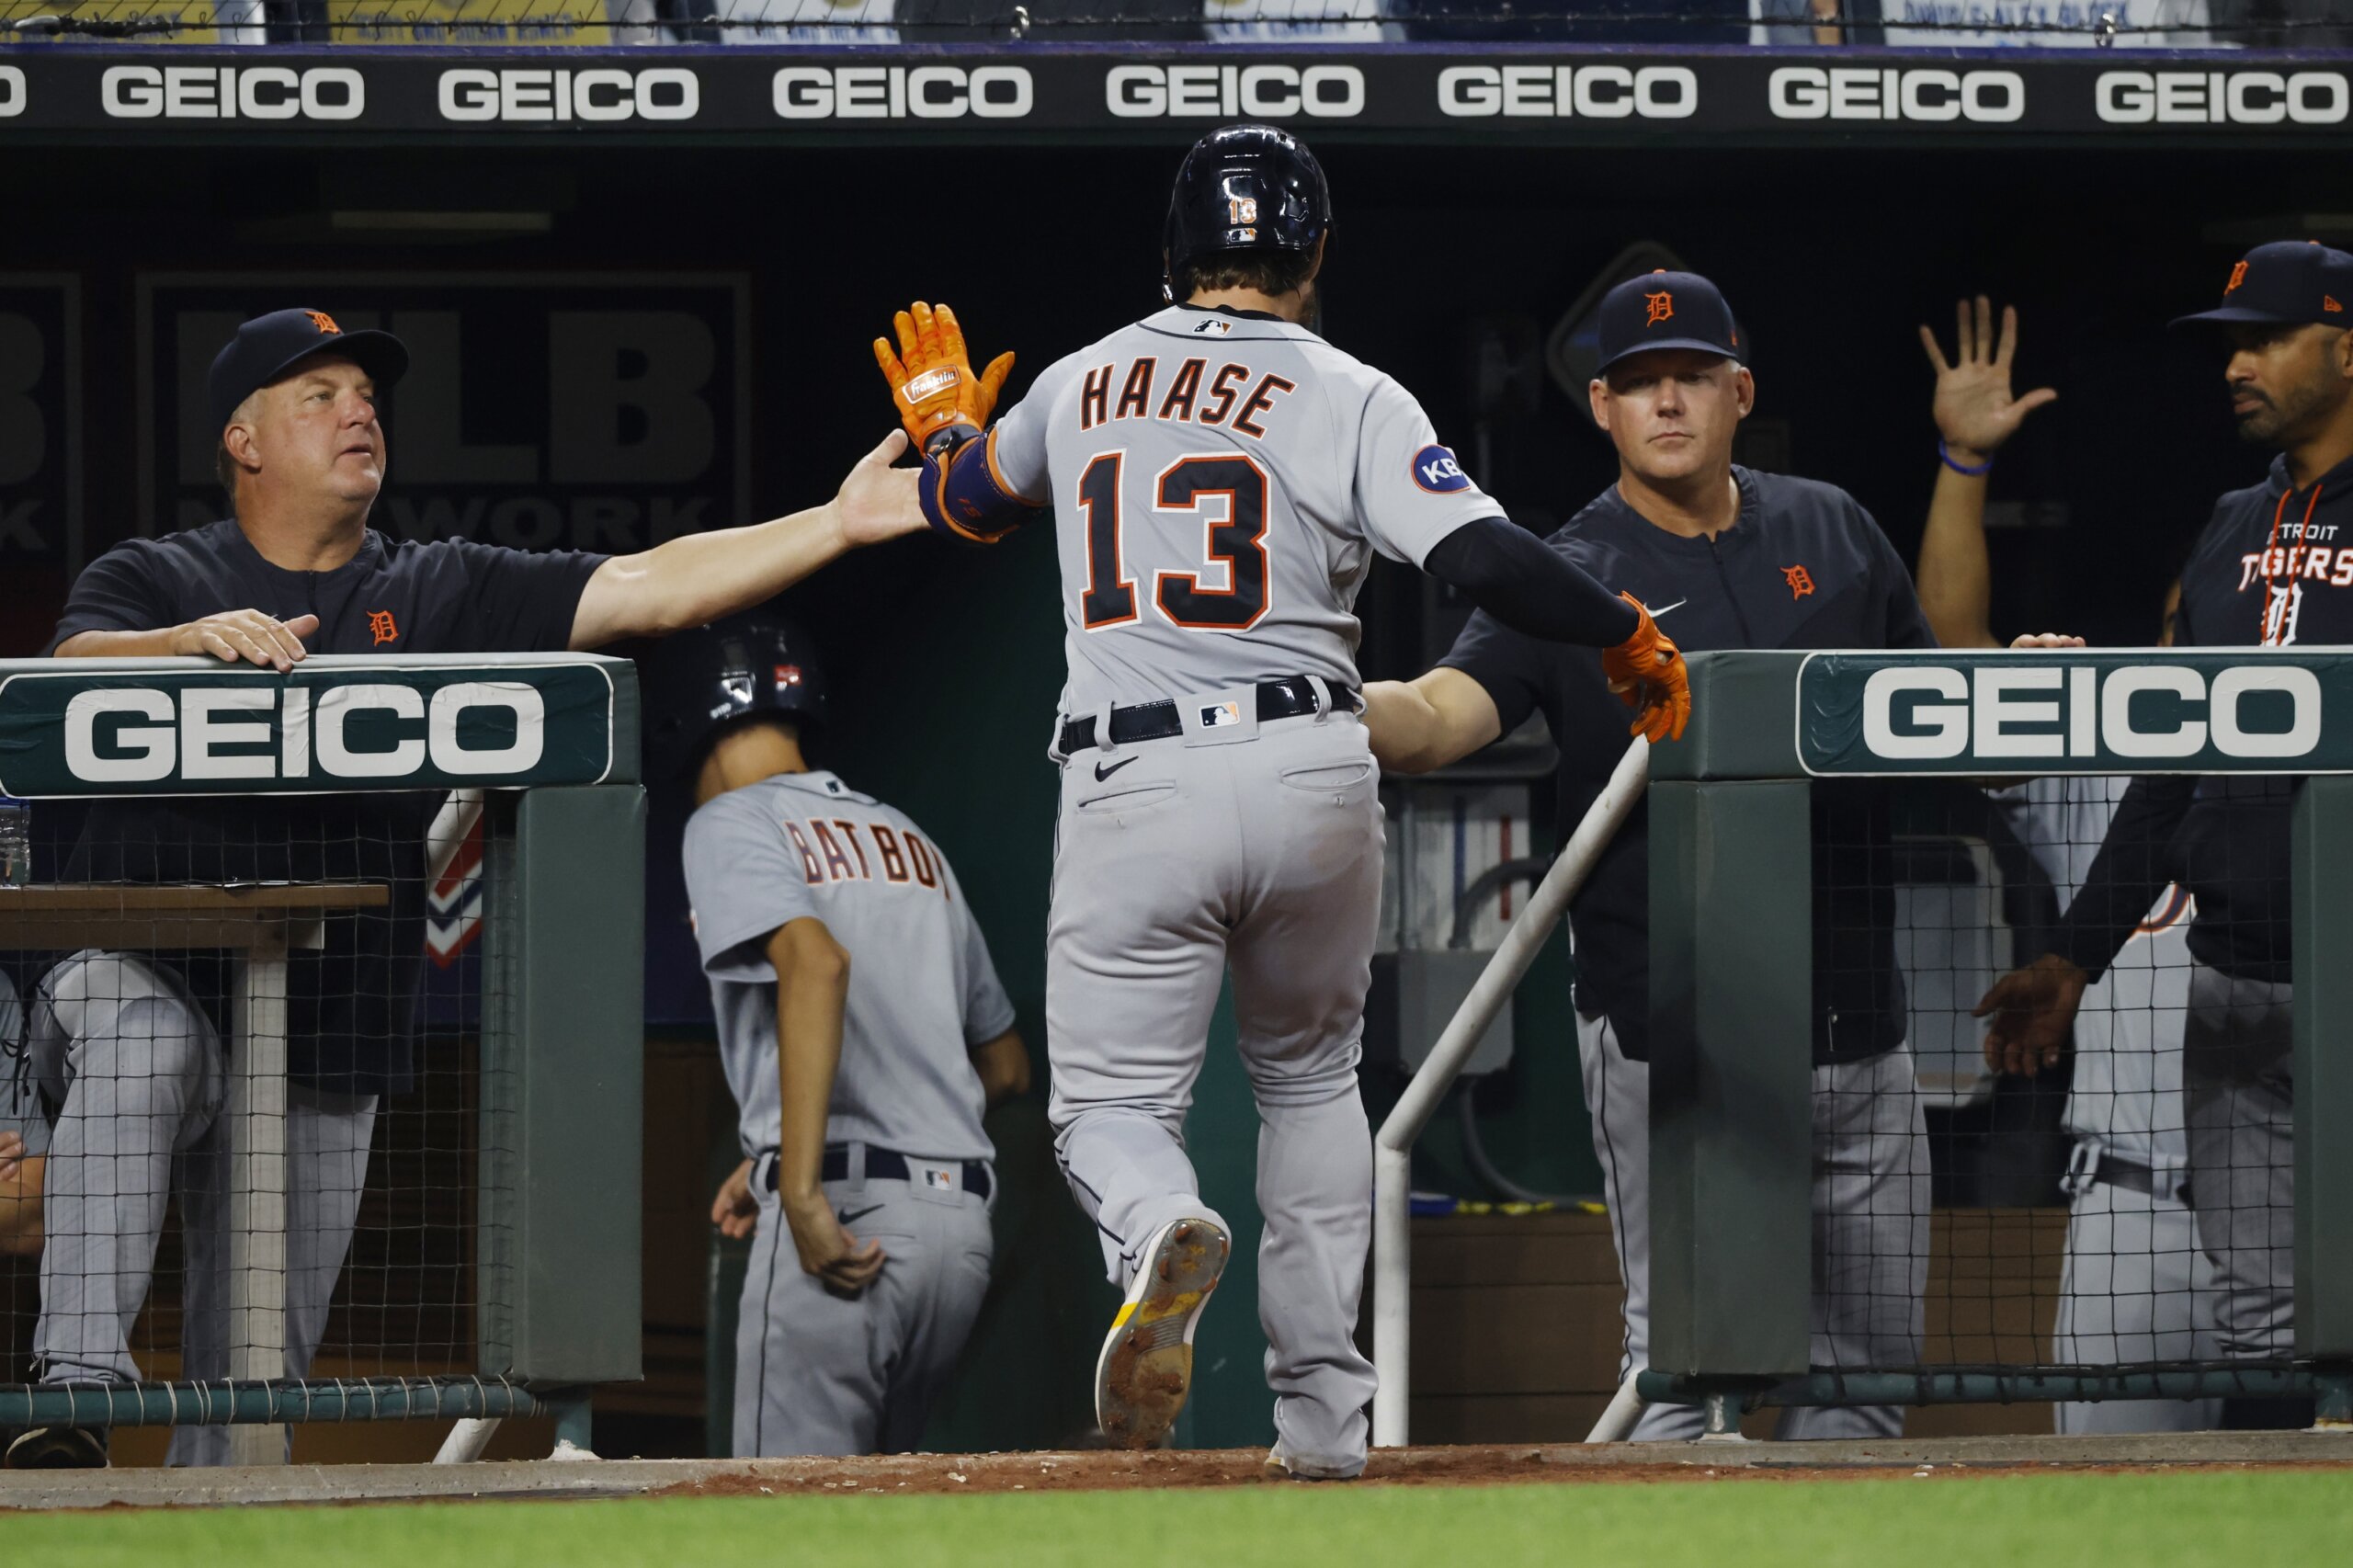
x,y
1944,455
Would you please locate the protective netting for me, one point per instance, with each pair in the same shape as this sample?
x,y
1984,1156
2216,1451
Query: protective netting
x,y
243,1076
2176,24
2114,1192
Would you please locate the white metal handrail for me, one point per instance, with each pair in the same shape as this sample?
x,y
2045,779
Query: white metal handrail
x,y
1393,1148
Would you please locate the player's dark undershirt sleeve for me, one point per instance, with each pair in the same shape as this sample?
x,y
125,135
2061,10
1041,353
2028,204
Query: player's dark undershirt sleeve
x,y
1512,669
518,602
2133,865
1529,586
120,591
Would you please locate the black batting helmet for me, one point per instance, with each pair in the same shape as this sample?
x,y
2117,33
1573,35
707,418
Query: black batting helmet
x,y
1245,187
702,683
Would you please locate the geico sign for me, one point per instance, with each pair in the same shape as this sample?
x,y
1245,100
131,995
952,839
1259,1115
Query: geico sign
x,y
660,92
1145,92
12,91
1561,92
2220,97
2007,712
130,736
233,92
902,91
1872,92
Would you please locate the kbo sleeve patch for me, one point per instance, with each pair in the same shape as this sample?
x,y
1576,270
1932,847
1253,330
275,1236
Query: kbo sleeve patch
x,y
1435,469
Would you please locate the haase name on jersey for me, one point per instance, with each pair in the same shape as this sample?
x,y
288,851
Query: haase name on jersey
x,y
130,735
2008,711
900,859
1185,402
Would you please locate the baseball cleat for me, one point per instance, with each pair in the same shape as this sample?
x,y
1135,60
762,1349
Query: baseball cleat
x,y
1281,1466
58,1447
1146,1368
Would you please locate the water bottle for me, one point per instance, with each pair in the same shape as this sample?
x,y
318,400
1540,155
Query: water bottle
x,y
15,842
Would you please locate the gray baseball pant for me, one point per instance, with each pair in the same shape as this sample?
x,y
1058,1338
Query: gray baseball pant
x,y
1872,1194
2238,1079
1258,851
2135,1288
141,1100
819,1373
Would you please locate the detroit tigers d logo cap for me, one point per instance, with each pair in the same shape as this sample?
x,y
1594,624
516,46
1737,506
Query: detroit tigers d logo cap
x,y
2290,282
1665,310
267,347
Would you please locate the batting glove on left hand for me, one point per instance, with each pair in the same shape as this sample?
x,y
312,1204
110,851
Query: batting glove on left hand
x,y
931,378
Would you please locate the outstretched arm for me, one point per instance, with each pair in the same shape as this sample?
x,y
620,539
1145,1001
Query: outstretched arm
x,y
697,578
1418,725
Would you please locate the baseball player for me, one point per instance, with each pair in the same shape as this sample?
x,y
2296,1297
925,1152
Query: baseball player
x,y
24,1134
1220,478
294,570
2135,1286
863,1030
1730,559
2272,569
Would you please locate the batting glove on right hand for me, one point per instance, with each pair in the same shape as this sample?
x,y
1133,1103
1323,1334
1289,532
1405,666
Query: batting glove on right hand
x,y
931,379
1648,674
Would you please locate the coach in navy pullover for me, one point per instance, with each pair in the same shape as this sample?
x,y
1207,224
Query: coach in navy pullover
x,y
2273,568
1738,560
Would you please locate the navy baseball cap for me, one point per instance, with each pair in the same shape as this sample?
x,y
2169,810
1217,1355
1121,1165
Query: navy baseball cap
x,y
267,347
1665,310
2290,282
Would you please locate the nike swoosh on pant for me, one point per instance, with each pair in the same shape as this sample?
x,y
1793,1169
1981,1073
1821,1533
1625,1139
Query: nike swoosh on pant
x,y
846,1217
1102,772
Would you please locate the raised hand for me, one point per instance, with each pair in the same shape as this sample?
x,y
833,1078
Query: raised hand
x,y
1973,408
931,376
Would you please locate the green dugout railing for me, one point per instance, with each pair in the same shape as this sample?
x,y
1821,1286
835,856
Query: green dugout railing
x,y
550,746
1730,886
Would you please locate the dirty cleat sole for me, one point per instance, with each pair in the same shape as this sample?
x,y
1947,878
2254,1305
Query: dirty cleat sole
x,y
1146,1368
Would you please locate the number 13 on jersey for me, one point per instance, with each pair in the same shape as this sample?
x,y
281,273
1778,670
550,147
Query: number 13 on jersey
x,y
1226,493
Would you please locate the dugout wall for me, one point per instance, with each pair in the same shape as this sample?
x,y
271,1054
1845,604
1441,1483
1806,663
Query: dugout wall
x,y
492,1265
1737,1177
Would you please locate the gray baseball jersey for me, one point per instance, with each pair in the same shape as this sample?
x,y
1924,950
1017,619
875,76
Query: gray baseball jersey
x,y
20,1110
2127,1086
1219,482
922,991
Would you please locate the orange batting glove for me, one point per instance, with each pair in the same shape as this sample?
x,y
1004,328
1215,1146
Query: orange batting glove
x,y
932,381
1647,672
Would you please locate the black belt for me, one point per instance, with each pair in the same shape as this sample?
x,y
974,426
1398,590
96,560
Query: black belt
x,y
1289,698
881,1165
2134,1177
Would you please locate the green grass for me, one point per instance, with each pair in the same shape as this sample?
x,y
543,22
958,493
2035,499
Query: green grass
x,y
2234,1519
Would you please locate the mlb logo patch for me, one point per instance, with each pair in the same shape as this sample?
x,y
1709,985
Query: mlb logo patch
x,y
1211,327
1436,470
938,1179
1219,714
787,676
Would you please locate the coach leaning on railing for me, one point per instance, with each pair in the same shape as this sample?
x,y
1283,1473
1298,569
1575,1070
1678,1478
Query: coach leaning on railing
x,y
295,569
